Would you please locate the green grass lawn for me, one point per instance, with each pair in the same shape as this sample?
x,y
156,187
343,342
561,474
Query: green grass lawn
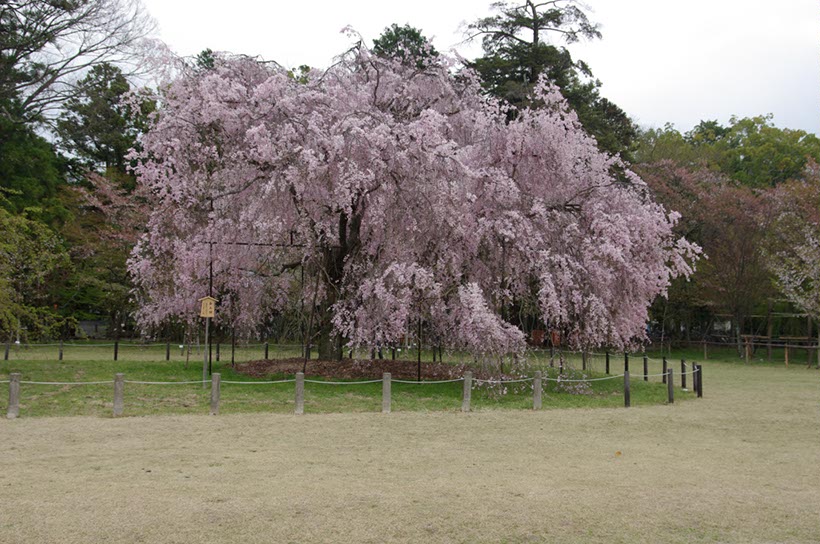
x,y
738,466
91,363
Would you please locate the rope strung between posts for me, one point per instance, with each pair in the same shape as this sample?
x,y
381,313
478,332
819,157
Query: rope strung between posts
x,y
561,380
504,381
342,383
415,382
258,383
67,383
322,382
166,383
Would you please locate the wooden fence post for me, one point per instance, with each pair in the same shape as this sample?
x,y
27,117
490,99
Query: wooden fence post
x,y
119,388
694,377
627,399
468,391
683,373
61,350
665,367
536,391
167,351
645,368
300,393
700,381
266,351
216,383
607,362
14,396
670,386
386,382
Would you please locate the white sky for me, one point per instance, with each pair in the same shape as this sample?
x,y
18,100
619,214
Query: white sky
x,y
661,61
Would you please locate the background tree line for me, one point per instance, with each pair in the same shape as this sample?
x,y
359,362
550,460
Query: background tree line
x,y
69,214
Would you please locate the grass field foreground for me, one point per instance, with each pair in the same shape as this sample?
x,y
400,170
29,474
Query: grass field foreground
x,y
738,466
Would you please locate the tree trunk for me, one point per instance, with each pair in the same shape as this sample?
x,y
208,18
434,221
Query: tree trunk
x,y
738,332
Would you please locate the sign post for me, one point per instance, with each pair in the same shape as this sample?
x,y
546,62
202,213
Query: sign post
x,y
207,310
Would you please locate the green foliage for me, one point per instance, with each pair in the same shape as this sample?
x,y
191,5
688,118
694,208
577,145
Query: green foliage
x,y
750,151
405,43
517,52
97,125
205,59
32,259
30,172
300,74
761,155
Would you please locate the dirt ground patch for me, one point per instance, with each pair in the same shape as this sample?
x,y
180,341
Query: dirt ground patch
x,y
357,368
738,466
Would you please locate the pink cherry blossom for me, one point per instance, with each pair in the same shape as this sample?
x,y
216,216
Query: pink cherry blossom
x,y
404,194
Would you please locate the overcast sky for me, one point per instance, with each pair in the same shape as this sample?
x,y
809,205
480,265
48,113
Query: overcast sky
x,y
660,61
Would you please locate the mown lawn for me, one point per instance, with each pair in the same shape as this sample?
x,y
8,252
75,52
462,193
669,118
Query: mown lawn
x,y
95,363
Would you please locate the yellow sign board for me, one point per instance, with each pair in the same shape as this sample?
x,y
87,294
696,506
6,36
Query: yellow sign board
x,y
208,308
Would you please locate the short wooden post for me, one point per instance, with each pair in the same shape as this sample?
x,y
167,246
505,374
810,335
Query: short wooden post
x,y
8,347
683,373
14,396
266,351
116,349
670,387
468,391
627,400
536,391
700,381
665,368
119,390
607,362
626,362
694,377
167,351
61,351
645,368
386,382
300,393
216,382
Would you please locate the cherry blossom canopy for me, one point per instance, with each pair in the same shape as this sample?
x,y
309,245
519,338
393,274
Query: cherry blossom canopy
x,y
383,194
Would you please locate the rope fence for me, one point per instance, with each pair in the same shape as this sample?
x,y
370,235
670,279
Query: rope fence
x,y
216,382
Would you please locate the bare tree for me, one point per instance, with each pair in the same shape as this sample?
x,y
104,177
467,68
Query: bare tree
x,y
48,45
